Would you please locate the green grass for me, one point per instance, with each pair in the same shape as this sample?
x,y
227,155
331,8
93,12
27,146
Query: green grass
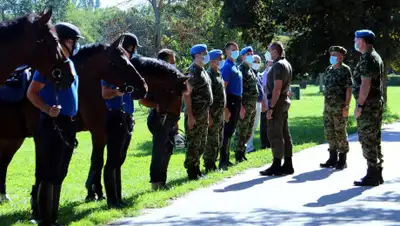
x,y
305,124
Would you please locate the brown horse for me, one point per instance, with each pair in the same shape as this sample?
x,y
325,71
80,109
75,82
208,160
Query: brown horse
x,y
93,62
164,81
31,40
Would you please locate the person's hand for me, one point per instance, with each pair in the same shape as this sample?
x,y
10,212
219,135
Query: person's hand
x,y
119,93
263,107
191,122
227,115
54,111
357,112
269,114
345,112
242,112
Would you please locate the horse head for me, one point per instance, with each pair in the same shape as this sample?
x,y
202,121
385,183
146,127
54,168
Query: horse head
x,y
44,52
122,73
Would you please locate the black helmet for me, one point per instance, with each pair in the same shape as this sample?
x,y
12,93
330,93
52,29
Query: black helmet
x,y
67,31
130,40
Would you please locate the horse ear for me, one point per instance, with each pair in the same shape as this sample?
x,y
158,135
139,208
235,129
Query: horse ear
x,y
45,16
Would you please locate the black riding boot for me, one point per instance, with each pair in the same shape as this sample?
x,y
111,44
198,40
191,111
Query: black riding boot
x,y
34,204
110,184
332,161
119,188
371,179
381,181
56,202
287,167
275,169
342,164
45,204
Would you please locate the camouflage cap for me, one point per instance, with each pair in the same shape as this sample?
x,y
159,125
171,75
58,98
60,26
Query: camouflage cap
x,y
339,49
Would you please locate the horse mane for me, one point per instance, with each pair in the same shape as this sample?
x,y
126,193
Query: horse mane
x,y
9,29
88,50
152,66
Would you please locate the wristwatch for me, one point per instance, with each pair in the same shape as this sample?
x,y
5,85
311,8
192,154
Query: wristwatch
x,y
360,106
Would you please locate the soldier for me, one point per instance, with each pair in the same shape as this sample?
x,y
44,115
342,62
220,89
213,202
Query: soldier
x,y
337,82
278,102
249,101
197,110
217,109
368,112
255,66
263,121
234,89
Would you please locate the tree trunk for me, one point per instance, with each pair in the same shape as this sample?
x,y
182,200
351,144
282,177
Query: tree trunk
x,y
157,24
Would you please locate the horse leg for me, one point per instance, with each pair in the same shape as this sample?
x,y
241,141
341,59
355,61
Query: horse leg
x,y
93,182
8,149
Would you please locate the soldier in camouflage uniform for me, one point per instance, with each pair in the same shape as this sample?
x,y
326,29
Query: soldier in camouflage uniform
x,y
197,110
368,112
217,110
249,101
337,82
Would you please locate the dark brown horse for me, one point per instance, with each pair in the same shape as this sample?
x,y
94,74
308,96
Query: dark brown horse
x,y
93,62
164,81
31,40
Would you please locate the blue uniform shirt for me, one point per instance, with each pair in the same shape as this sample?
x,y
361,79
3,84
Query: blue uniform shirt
x,y
116,102
232,75
67,98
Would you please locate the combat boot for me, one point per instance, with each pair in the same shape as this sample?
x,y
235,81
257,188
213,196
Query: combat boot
x,y
342,164
274,170
287,167
240,156
193,173
332,161
210,168
371,179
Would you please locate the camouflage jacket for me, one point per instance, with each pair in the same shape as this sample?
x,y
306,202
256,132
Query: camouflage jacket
x,y
218,91
250,90
201,94
336,82
369,66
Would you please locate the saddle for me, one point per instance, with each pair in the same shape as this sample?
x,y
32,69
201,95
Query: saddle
x,y
15,87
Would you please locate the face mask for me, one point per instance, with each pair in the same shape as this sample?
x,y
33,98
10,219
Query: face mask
x,y
235,54
76,49
268,56
255,66
134,54
333,60
206,59
173,65
249,59
356,47
221,64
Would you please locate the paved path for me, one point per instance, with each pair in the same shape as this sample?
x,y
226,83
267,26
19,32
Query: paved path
x,y
312,196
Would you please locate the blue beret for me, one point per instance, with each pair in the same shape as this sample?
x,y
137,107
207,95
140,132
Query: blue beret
x,y
246,50
215,54
364,34
196,49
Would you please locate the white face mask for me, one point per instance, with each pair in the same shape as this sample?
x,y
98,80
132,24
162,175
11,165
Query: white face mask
x,y
268,56
255,66
173,65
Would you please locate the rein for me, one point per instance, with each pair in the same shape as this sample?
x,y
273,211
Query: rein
x,y
55,125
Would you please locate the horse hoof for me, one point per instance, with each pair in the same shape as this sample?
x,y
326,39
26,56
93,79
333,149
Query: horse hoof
x,y
101,198
90,198
4,198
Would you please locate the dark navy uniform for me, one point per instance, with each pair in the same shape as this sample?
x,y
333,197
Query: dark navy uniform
x,y
119,125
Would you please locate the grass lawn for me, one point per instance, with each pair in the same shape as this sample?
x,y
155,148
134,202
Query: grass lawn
x,y
305,123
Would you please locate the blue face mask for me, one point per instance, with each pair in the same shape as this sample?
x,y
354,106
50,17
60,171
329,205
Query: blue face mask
x,y
221,64
206,59
134,54
235,54
76,49
333,60
356,47
249,59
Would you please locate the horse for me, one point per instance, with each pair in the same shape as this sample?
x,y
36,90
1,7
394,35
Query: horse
x,y
97,60
31,40
163,80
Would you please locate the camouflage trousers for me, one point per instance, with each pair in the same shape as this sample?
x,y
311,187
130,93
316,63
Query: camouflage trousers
x,y
369,132
245,126
196,139
214,138
335,129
